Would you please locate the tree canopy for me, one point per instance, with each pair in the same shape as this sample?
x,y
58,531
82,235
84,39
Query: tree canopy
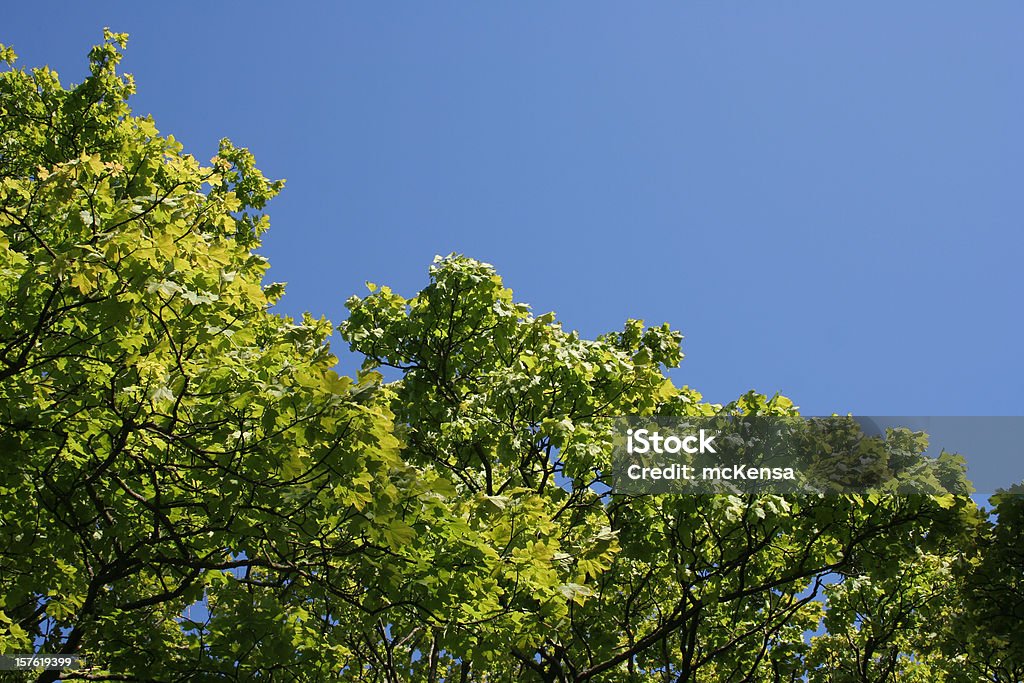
x,y
190,492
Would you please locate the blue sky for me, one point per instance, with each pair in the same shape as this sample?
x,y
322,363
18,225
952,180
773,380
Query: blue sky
x,y
824,198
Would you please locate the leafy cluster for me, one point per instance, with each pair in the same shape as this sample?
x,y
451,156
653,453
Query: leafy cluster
x,y
166,439
190,492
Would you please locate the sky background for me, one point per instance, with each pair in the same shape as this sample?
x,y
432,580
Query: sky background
x,y
825,198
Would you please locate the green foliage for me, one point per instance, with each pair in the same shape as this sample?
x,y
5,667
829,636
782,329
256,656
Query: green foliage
x,y
576,583
159,426
188,491
984,639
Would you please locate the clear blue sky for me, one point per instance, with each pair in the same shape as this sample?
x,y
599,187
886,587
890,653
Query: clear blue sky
x,y
826,198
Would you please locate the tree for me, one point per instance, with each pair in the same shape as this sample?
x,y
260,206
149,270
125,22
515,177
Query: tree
x,y
984,637
579,583
165,438
169,442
